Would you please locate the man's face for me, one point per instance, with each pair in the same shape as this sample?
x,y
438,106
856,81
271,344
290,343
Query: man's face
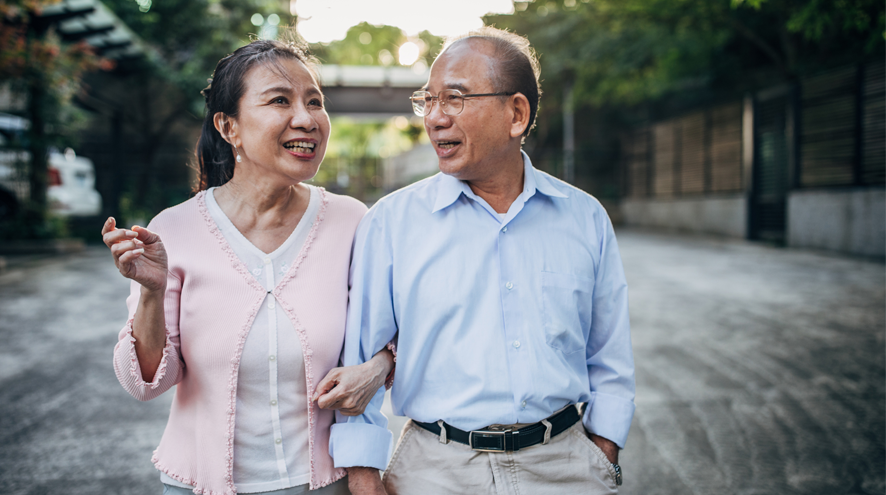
x,y
471,145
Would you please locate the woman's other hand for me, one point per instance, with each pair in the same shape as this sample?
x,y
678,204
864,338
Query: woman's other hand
x,y
138,254
349,389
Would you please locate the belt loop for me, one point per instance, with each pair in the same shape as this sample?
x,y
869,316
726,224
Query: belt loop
x,y
548,429
443,436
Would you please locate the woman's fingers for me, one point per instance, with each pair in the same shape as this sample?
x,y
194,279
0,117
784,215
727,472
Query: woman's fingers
x,y
129,256
109,225
145,235
117,235
327,383
118,248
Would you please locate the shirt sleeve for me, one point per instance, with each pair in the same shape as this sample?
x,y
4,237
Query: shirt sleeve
x,y
171,368
365,440
609,355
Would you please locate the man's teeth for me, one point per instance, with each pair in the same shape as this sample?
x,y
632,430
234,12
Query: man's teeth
x,y
300,146
446,145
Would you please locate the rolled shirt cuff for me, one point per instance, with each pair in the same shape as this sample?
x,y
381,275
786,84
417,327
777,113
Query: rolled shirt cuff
x,y
610,417
360,445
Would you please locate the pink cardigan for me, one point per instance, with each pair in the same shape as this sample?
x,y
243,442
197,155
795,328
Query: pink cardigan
x,y
211,300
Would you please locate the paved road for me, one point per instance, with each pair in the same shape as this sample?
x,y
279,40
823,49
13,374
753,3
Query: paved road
x,y
759,371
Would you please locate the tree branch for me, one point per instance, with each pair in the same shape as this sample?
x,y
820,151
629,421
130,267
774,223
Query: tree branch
x,y
760,43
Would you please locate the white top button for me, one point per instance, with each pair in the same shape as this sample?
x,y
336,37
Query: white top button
x,y
267,261
509,285
516,344
271,304
272,357
523,404
274,402
504,229
278,441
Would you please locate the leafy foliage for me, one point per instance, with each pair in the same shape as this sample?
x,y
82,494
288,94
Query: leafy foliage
x,y
628,51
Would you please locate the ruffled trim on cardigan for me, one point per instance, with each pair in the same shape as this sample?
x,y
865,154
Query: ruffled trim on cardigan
x,y
241,341
135,369
199,490
303,336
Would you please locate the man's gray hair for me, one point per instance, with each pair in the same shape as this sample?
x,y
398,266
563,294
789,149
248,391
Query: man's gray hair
x,y
516,68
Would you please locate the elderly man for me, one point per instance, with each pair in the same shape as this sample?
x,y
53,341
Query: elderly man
x,y
505,291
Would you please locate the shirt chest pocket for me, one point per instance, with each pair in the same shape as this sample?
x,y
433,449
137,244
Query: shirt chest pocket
x,y
566,307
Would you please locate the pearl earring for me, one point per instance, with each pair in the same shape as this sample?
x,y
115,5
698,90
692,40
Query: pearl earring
x,y
239,158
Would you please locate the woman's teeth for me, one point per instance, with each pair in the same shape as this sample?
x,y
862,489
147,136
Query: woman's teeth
x,y
446,145
299,146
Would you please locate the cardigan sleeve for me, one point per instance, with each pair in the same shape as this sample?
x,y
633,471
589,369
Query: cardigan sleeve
x,y
171,368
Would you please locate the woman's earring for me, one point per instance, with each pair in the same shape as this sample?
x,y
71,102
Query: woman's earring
x,y
239,158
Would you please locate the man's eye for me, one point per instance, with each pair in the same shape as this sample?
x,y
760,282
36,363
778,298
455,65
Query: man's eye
x,y
452,97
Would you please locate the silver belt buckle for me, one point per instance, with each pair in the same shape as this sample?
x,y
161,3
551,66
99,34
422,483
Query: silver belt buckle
x,y
486,434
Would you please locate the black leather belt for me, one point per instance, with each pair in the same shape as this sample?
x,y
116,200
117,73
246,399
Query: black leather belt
x,y
509,440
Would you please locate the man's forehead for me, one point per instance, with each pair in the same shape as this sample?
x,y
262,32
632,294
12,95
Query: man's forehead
x,y
461,67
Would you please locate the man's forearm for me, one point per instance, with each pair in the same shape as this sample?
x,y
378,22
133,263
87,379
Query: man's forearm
x,y
365,481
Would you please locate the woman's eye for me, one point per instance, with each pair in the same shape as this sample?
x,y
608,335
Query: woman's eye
x,y
280,100
316,102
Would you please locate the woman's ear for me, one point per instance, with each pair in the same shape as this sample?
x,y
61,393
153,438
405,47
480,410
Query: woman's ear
x,y
227,127
520,108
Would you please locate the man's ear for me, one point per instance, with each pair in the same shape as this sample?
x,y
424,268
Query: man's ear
x,y
227,127
520,110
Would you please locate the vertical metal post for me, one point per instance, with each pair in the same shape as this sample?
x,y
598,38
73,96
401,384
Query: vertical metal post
x,y
747,160
568,134
857,159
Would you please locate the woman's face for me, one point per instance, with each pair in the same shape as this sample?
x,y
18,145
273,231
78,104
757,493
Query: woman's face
x,y
282,124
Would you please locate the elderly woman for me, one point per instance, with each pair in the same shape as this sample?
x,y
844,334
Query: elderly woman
x,y
239,294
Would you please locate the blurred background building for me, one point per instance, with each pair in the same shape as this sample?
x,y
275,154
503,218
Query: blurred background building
x,y
758,119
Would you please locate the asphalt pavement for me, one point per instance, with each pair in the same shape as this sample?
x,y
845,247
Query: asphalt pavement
x,y
760,370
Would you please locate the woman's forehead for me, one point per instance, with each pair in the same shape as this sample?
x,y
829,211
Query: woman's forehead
x,y
281,73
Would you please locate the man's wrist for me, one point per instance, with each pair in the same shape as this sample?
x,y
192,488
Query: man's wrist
x,y
365,480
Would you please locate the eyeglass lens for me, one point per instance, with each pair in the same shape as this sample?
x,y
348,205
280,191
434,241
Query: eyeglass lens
x,y
451,102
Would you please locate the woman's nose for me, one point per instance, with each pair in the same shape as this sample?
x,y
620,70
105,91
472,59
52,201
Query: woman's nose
x,y
302,118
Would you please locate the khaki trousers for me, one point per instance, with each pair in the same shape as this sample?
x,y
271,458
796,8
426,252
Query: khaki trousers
x,y
569,464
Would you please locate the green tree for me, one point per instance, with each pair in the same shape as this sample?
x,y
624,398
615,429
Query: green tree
x,y
628,51
34,62
366,44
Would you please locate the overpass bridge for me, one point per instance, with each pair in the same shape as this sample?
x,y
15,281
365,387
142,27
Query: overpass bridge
x,y
367,91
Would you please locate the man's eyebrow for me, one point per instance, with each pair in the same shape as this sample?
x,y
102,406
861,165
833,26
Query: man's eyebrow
x,y
460,87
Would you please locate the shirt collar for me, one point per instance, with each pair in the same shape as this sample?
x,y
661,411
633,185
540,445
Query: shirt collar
x,y
449,188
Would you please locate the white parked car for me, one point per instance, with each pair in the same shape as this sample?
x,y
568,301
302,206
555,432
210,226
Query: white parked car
x,y
71,182
72,185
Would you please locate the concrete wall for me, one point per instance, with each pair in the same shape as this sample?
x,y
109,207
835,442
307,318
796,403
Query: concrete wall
x,y
722,214
851,221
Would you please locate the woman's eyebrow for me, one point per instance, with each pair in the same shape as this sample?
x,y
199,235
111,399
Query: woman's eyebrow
x,y
277,89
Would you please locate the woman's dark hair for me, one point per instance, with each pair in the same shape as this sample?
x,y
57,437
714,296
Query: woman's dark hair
x,y
215,160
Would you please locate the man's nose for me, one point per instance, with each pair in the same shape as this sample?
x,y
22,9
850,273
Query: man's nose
x,y
436,117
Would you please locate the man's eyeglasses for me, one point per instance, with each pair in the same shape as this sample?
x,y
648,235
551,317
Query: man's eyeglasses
x,y
452,101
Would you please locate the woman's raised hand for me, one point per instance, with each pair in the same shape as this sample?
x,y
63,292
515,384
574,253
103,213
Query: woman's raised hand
x,y
138,254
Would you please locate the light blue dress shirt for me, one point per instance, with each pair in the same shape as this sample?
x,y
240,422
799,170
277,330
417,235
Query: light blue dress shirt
x,y
499,321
